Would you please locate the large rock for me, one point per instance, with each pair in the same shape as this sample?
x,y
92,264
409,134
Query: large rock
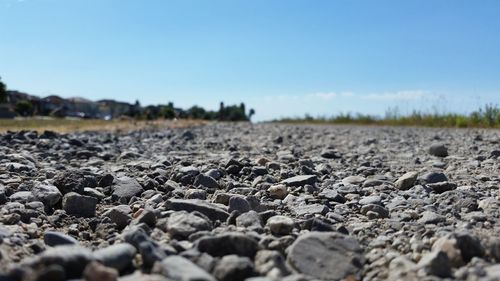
x,y
177,268
300,180
125,188
212,211
326,256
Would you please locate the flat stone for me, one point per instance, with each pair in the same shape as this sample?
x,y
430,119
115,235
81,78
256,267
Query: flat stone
x,y
212,211
177,268
311,209
406,181
53,238
326,256
300,180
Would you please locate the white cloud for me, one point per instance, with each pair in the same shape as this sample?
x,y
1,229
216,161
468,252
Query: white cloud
x,y
323,96
399,95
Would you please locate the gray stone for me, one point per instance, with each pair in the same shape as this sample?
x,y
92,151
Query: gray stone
x,y
433,177
206,181
311,209
436,263
429,217
233,268
119,215
438,149
406,181
379,210
250,220
182,224
177,268
238,203
79,205
212,211
52,238
125,188
280,225
46,193
300,180
117,256
440,187
227,244
22,197
326,256
353,180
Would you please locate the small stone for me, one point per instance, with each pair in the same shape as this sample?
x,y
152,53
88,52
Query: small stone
x,y
440,187
240,204
117,256
310,209
212,211
52,238
79,205
177,268
125,188
206,181
233,268
182,224
227,244
48,194
353,180
250,220
300,180
406,181
279,191
120,215
380,211
438,149
429,217
326,256
280,225
433,177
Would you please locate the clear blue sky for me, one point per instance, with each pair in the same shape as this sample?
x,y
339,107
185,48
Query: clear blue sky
x,y
281,57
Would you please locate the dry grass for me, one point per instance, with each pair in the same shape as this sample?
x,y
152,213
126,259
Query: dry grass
x,y
76,125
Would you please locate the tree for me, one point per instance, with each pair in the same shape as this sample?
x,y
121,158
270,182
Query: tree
x,y
24,108
251,113
3,91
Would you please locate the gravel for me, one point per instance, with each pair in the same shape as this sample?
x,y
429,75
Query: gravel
x,y
251,202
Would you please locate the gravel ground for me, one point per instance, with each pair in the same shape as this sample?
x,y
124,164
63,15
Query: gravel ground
x,y
251,202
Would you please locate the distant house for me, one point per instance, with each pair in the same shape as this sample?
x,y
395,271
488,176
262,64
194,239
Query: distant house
x,y
112,109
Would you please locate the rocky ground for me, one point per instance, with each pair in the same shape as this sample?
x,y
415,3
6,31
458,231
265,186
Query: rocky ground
x,y
251,202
